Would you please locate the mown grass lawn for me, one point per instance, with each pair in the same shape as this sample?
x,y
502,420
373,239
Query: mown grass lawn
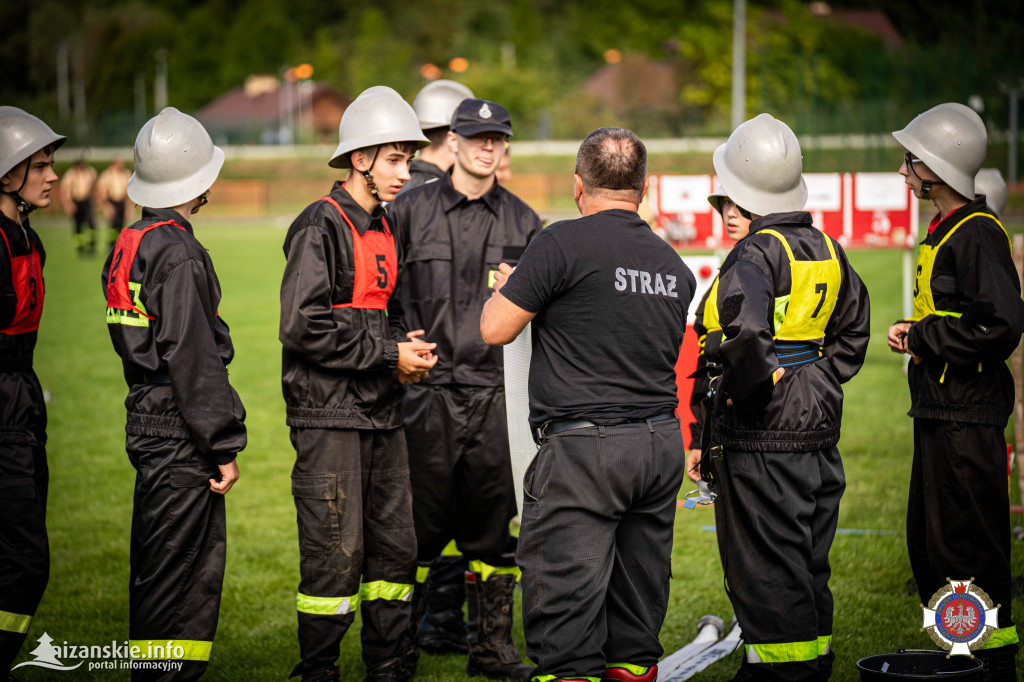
x,y
91,483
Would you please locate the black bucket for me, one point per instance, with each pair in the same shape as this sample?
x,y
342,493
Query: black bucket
x,y
918,665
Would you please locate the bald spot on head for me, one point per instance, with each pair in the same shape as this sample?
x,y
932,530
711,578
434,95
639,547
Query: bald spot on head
x,y
612,163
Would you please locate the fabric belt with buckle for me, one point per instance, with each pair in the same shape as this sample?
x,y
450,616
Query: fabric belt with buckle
x,y
560,426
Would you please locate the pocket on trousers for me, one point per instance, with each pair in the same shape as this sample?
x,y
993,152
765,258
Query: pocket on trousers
x,y
535,480
319,510
17,488
190,477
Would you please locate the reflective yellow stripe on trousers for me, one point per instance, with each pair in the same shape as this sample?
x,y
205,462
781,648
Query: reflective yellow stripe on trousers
x,y
14,622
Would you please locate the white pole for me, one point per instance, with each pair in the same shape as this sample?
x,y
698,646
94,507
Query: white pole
x,y
63,98
739,61
160,81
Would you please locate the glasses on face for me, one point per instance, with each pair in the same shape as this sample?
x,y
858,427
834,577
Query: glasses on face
x,y
204,199
910,159
482,139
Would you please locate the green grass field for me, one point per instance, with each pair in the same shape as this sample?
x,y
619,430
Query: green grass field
x,y
91,483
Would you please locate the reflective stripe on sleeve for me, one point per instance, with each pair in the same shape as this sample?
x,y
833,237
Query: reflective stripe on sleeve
x,y
1001,637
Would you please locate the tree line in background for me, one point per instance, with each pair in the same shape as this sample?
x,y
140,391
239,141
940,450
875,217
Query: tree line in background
x,y
534,56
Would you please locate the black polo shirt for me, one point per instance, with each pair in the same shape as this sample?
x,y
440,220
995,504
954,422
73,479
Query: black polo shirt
x,y
611,300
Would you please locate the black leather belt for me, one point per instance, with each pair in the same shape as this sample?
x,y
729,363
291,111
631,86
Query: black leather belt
x,y
560,426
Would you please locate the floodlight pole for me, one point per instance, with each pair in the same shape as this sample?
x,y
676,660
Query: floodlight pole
x,y
739,61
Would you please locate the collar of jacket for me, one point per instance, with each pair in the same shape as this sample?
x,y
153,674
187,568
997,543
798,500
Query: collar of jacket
x,y
946,224
420,166
361,220
791,219
157,215
451,197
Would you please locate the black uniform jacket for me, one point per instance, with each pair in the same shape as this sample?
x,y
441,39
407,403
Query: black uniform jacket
x,y
175,364
338,365
22,410
963,375
451,246
709,343
803,411
420,173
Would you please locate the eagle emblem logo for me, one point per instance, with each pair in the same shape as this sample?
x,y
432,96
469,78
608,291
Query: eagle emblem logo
x,y
960,617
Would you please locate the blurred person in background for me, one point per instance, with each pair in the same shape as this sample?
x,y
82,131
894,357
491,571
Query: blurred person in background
x,y
184,419
112,196
455,232
434,105
504,172
76,193
27,146
345,353
709,332
968,318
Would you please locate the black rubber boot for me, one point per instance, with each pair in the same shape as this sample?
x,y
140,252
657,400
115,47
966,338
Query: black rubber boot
x,y
391,670
492,652
999,663
411,658
443,629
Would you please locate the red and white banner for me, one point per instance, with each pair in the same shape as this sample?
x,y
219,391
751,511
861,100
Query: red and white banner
x,y
856,209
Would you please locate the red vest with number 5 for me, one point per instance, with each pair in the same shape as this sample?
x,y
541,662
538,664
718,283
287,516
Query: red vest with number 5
x,y
27,278
376,262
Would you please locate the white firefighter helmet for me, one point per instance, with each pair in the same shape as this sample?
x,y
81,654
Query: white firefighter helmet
x,y
951,140
989,181
760,167
21,136
377,116
436,102
717,198
175,161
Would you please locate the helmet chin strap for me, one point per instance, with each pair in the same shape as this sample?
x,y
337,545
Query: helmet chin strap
x,y
368,176
926,185
24,207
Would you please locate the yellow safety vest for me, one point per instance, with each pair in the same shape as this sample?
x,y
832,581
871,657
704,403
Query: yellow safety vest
x,y
710,319
924,303
803,314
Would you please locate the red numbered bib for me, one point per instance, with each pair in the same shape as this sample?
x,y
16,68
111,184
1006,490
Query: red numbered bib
x,y
27,278
376,263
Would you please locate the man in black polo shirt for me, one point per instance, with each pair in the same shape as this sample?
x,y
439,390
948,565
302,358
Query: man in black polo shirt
x,y
608,299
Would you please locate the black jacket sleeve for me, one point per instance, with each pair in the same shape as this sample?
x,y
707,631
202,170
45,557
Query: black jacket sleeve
x,y
185,341
987,291
849,329
308,327
745,297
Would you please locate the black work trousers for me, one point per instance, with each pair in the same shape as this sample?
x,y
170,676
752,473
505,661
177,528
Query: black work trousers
x,y
177,554
595,546
958,514
776,518
24,479
461,471
356,543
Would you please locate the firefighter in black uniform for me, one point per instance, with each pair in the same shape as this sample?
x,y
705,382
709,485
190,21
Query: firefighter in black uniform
x,y
185,421
442,628
709,331
344,340
26,177
608,300
434,105
455,233
968,317
778,408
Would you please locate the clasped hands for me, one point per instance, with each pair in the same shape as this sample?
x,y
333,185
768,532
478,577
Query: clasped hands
x,y
415,359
